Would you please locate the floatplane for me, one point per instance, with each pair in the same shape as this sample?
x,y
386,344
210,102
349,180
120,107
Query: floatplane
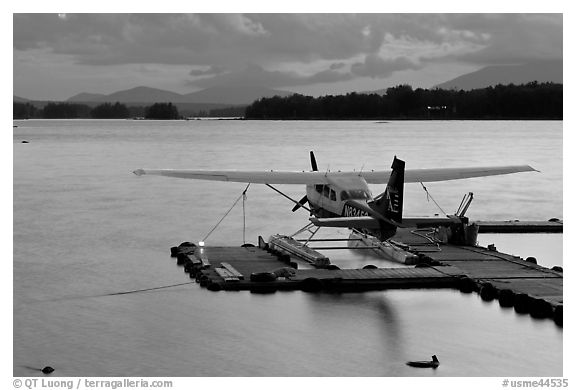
x,y
343,199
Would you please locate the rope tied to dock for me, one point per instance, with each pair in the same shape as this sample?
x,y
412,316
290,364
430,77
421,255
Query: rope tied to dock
x,y
114,293
429,196
144,289
242,196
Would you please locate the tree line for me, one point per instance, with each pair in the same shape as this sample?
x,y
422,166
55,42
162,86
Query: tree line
x,y
102,111
527,101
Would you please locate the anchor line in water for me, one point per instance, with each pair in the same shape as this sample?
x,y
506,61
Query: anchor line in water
x,y
144,289
111,294
242,196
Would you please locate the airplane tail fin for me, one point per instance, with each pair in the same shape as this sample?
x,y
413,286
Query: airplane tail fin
x,y
390,202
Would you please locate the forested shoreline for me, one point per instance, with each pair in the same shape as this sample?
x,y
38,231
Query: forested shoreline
x,y
117,110
527,101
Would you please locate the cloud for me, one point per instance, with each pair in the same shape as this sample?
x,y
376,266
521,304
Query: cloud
x,y
255,75
524,38
377,67
267,39
290,49
211,70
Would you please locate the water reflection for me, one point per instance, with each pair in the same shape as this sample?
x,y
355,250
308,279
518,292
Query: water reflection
x,y
362,310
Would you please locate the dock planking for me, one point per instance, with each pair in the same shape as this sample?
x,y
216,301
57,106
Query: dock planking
x,y
513,281
528,287
551,226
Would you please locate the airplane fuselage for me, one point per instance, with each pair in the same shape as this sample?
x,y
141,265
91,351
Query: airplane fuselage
x,y
346,198
332,200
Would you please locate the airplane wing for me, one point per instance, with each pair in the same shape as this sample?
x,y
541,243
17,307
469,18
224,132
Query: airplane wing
x,y
317,177
444,174
260,177
347,222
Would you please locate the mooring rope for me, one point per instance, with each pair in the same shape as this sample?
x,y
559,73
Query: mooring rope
x,y
110,294
242,195
429,196
144,289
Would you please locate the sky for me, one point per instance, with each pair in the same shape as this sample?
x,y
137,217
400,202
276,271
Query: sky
x,y
56,56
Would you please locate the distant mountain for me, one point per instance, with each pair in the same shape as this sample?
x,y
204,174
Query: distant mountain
x,y
233,95
86,97
217,95
143,95
18,99
133,95
544,71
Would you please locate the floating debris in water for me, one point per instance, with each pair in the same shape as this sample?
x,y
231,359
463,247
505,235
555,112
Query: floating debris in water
x,y
434,363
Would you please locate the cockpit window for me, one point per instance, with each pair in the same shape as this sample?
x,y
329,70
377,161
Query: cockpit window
x,y
332,195
354,194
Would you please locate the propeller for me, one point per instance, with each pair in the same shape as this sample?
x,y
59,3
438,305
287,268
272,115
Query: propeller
x,y
304,199
301,203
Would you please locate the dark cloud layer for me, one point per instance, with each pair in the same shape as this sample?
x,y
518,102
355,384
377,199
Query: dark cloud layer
x,y
318,48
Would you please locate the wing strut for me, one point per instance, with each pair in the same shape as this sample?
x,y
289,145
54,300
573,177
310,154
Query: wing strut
x,y
287,197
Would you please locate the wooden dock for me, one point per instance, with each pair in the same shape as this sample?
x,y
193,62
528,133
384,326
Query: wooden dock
x,y
513,281
553,225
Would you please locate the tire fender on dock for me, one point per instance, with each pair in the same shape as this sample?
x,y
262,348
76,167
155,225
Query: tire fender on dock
x,y
522,303
541,309
506,298
312,285
181,258
532,260
488,292
559,315
466,285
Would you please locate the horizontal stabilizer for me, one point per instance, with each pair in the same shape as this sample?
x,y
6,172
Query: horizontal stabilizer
x,y
347,222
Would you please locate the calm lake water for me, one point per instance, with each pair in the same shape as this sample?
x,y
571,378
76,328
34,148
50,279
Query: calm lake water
x,y
85,226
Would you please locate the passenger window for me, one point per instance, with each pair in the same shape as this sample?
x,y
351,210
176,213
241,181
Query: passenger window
x,y
319,188
332,195
343,195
